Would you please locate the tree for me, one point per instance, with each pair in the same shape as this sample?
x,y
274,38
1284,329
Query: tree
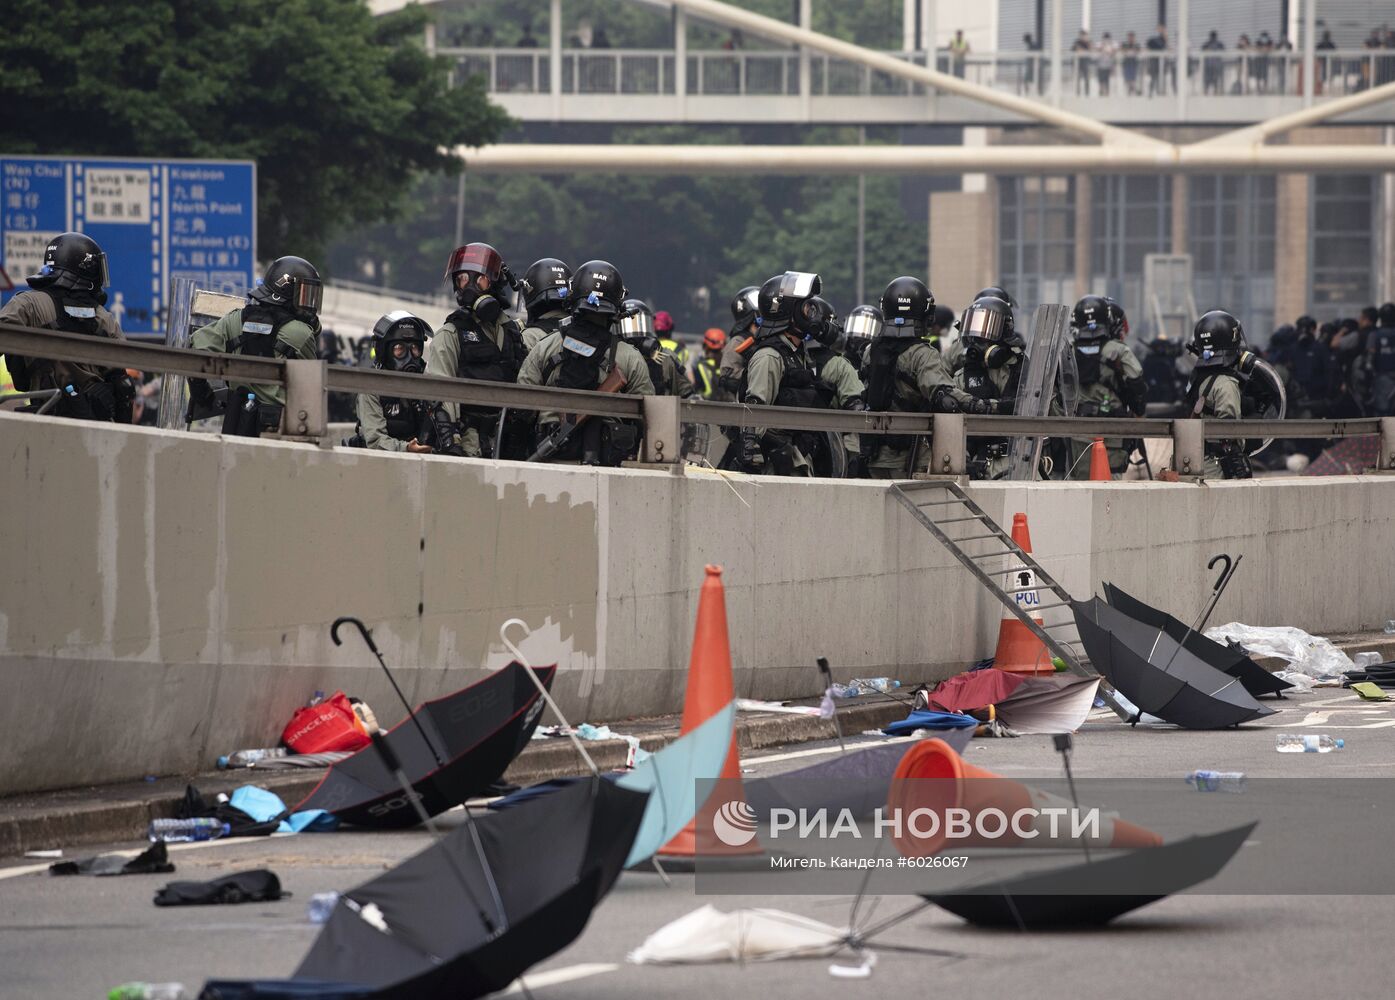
x,y
340,110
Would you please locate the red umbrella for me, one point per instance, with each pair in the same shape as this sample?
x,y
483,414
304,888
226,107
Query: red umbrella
x,y
973,690
1348,457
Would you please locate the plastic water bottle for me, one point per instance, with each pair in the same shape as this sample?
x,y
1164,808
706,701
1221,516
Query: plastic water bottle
x,y
244,758
1217,781
879,684
846,690
321,905
1390,627
148,991
1307,743
179,831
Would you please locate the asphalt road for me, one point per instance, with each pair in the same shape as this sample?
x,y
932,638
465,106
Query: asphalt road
x,y
78,937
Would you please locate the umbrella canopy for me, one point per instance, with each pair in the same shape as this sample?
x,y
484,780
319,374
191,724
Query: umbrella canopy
x,y
1349,456
1227,659
973,690
433,927
1161,679
474,734
1093,893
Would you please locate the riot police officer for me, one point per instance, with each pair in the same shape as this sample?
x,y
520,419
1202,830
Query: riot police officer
x,y
1109,376
67,294
992,366
544,289
387,423
864,323
902,371
822,333
282,320
1380,360
636,327
780,373
477,341
745,309
585,353
1214,392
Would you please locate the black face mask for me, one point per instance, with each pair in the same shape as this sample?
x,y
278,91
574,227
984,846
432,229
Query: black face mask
x,y
411,365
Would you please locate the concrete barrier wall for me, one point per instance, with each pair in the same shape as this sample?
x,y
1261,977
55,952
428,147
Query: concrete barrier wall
x,y
166,597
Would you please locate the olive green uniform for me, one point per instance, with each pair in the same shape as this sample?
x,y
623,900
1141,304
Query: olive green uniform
x,y
840,376
537,329
630,362
1104,398
295,339
920,371
1218,398
372,424
443,358
35,308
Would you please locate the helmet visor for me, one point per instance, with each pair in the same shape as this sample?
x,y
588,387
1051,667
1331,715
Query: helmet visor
x,y
307,294
863,324
480,258
636,324
985,324
799,284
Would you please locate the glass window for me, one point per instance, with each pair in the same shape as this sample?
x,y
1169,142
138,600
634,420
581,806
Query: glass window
x,y
1036,239
1132,218
1230,230
1341,243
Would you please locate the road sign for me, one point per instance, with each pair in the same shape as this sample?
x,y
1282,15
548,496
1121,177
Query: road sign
x,y
156,220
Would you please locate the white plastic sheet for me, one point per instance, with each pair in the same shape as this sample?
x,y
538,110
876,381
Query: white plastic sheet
x,y
1309,654
709,935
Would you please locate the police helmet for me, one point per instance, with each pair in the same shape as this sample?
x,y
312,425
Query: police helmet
x,y
1090,320
995,292
596,287
943,318
906,304
293,283
545,285
72,261
1118,319
744,304
818,321
400,327
778,298
864,323
988,318
1217,339
636,323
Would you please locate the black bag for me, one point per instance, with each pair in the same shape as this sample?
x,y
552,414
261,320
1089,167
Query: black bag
x,y
256,886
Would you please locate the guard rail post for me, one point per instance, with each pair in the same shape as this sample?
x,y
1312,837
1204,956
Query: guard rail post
x,y
1188,447
307,402
949,446
663,430
1385,459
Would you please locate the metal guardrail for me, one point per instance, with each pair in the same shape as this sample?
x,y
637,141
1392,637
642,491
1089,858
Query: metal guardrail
x,y
775,72
308,384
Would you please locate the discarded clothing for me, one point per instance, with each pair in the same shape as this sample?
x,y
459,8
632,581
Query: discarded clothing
x,y
155,860
256,886
267,807
709,935
929,720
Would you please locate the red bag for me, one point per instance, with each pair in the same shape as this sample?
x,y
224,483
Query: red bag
x,y
330,725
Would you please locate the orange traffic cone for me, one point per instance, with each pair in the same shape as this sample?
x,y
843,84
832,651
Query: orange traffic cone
x,y
1019,650
725,825
1099,462
994,811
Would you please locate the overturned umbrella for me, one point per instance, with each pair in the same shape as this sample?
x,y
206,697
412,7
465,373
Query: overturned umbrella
x,y
431,926
1227,659
1158,676
450,748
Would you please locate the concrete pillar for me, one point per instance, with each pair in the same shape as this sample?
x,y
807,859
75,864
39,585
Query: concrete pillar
x,y
1385,275
908,24
1309,49
1181,213
963,251
806,21
1183,26
1291,268
554,28
680,61
430,38
1084,233
1056,29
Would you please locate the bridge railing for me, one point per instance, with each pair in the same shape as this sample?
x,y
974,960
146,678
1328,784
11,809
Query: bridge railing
x,y
775,72
308,384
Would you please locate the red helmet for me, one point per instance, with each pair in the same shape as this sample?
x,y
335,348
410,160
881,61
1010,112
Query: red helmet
x,y
663,322
479,258
714,339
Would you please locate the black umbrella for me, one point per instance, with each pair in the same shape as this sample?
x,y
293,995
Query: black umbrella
x,y
1227,659
1173,683
1093,893
431,927
456,746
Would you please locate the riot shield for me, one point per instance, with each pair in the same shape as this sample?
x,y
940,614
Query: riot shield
x,y
1262,398
190,308
1038,384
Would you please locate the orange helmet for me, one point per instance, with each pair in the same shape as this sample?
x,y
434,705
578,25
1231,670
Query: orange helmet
x,y
714,339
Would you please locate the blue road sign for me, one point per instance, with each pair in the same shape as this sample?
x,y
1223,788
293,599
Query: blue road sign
x,y
156,220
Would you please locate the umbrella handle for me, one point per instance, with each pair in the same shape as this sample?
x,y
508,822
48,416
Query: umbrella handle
x,y
356,623
1225,573
542,688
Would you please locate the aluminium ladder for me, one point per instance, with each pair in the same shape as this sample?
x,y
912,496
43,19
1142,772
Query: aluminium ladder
x,y
953,506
